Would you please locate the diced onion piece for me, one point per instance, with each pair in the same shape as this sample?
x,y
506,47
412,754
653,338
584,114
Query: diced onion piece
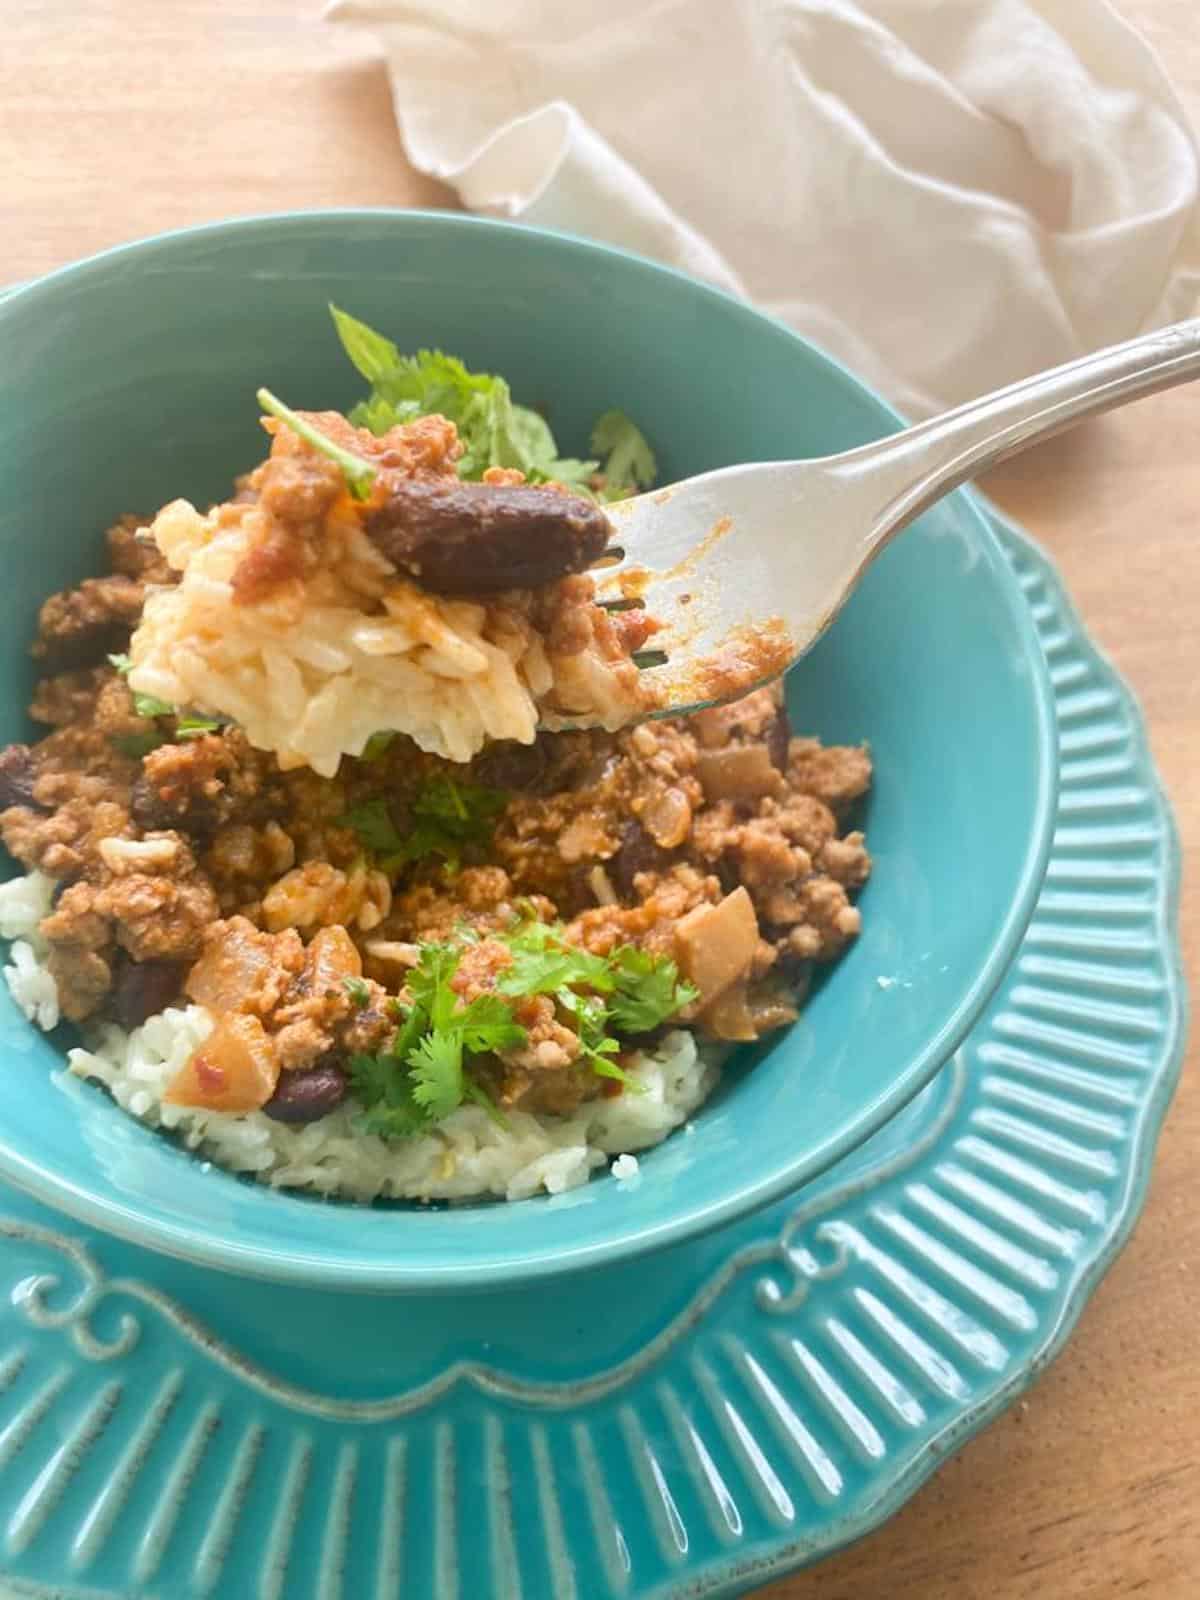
x,y
231,969
330,959
667,817
738,772
234,1069
716,945
729,1016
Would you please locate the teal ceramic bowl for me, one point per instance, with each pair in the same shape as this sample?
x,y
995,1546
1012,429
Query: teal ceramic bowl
x,y
129,379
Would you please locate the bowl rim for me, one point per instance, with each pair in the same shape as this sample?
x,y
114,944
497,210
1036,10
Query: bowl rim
x,y
319,1268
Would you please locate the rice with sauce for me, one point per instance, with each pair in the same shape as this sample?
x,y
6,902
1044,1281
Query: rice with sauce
x,y
332,644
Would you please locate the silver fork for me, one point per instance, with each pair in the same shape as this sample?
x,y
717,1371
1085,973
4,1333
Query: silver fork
x,y
781,545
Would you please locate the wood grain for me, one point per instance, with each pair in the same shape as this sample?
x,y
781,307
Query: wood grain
x,y
122,118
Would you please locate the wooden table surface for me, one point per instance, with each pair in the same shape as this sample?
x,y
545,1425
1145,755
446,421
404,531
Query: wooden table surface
x,y
123,118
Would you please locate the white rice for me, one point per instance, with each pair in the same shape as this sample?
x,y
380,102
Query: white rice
x,y
23,903
313,671
467,1155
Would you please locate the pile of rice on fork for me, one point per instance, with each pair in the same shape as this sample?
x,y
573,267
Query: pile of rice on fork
x,y
449,612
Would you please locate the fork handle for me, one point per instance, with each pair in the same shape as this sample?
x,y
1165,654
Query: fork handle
x,y
914,468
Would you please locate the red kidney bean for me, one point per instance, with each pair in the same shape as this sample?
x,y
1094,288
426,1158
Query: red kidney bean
x,y
16,776
477,538
143,988
637,853
308,1093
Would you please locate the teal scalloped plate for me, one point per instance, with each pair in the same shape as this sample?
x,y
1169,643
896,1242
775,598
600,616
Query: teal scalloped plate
x,y
689,1425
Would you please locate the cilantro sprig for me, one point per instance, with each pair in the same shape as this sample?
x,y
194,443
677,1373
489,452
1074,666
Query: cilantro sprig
x,y
640,990
627,992
359,474
446,817
187,726
372,822
422,1078
426,1073
494,429
647,990
628,462
146,705
543,964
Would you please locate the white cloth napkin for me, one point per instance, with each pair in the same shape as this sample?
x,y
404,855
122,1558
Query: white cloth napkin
x,y
946,194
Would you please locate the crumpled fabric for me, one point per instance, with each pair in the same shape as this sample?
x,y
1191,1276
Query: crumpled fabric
x,y
945,194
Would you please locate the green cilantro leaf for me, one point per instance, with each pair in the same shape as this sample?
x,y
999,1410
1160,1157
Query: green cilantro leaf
x,y
372,822
191,727
629,462
387,1097
488,430
577,475
395,1121
648,989
429,983
404,387
551,966
146,705
591,1019
359,474
596,1045
541,461
604,1068
487,1025
532,434
379,414
426,1072
495,430
149,705
452,803
436,1066
376,745
473,1092
373,355
639,990
628,991
446,817
370,1077
413,1024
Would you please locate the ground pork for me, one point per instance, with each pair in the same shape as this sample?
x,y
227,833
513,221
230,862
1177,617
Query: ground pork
x,y
133,553
79,627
